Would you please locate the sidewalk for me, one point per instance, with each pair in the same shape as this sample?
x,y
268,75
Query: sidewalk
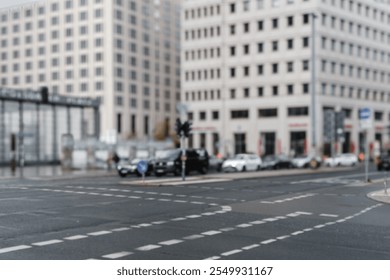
x,y
51,172
380,196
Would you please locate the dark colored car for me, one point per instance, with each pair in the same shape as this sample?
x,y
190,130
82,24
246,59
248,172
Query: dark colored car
x,y
276,162
130,167
169,161
383,162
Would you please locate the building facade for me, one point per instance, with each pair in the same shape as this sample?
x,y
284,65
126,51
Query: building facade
x,y
247,71
126,52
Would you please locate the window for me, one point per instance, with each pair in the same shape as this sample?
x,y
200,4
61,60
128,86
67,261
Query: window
x,y
305,88
239,114
290,21
305,18
246,27
202,115
305,42
290,67
274,68
260,47
215,115
260,25
305,65
275,23
246,92
274,45
290,44
232,8
260,69
268,113
297,111
290,89
275,90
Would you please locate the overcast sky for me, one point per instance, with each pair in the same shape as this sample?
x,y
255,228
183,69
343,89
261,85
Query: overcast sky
x,y
9,3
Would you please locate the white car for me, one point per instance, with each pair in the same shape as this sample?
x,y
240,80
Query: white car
x,y
242,162
303,161
342,160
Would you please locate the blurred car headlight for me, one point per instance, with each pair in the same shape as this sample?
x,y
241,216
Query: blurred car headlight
x,y
170,163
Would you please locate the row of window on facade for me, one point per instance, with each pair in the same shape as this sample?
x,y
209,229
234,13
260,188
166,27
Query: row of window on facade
x,y
197,75
246,92
355,28
68,32
273,113
54,21
245,114
355,50
353,92
354,71
246,49
356,7
200,33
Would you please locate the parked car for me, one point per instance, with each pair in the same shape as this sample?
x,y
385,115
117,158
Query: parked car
x,y
126,167
347,159
383,162
169,161
215,163
276,162
242,162
303,161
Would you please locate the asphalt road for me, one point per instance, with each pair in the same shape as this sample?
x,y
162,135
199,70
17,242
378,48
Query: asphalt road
x,y
275,215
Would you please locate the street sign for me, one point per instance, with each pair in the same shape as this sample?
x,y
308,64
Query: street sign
x,y
329,126
142,167
365,118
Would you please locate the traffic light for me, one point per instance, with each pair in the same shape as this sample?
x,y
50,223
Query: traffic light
x,y
178,127
187,129
45,94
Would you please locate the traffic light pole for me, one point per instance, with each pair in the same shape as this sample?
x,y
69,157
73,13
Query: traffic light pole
x,y
183,157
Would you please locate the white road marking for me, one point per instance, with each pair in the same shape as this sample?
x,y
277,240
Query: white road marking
x,y
231,253
193,237
211,232
297,233
244,225
283,237
171,242
148,247
250,247
329,215
227,229
268,241
48,242
76,237
257,222
14,248
117,255
121,229
193,216
97,233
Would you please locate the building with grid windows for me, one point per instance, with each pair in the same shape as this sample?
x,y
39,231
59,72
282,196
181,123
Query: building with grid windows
x,y
126,52
247,71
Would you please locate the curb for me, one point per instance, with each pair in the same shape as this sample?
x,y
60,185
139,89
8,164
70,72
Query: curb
x,y
380,196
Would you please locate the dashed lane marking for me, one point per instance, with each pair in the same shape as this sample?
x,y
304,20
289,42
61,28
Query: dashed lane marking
x,y
288,199
148,247
98,233
76,237
48,242
202,235
171,242
117,255
329,215
296,233
14,248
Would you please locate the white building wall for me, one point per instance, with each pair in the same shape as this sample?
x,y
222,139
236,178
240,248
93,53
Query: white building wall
x,y
283,124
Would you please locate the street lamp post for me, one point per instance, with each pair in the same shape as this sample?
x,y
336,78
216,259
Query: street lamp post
x,y
313,89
